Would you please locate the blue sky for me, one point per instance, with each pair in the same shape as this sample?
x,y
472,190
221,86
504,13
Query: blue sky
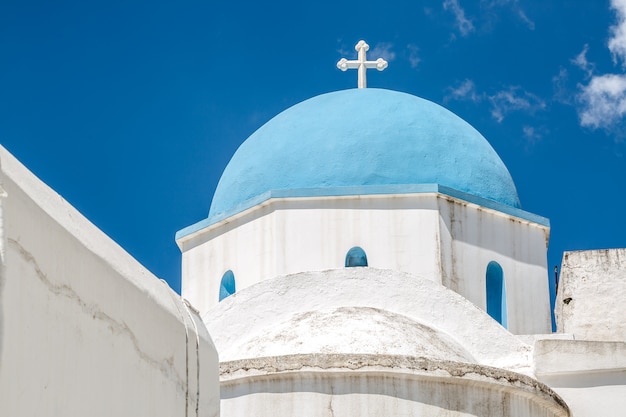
x,y
131,110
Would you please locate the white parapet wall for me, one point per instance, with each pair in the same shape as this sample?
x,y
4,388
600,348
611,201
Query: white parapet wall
x,y
589,375
85,330
588,367
590,299
380,385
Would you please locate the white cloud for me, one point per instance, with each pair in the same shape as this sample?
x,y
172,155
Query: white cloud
x,y
502,102
531,134
464,24
562,93
465,91
522,15
529,131
414,58
514,99
581,61
382,50
603,101
617,43
515,7
347,54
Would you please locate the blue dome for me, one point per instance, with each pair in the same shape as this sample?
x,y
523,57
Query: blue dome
x,y
363,138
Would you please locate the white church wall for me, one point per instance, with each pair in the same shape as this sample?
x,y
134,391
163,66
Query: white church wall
x,y
430,235
85,330
473,236
591,293
305,234
244,245
396,233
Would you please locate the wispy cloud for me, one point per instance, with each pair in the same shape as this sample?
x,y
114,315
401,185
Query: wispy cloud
x,y
532,134
514,99
522,15
617,43
514,6
562,93
602,101
464,91
414,58
382,50
581,61
502,102
464,24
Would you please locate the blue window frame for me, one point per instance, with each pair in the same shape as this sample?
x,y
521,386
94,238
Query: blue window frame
x,y
356,257
496,293
227,286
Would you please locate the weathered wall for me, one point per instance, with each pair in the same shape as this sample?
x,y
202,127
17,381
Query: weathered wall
x,y
380,385
298,235
589,372
385,312
472,236
590,299
85,330
589,375
425,234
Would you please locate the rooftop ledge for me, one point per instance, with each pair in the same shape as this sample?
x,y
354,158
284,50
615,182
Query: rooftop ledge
x,y
371,190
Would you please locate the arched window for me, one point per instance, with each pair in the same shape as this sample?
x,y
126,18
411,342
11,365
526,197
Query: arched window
x,y
356,257
496,293
227,286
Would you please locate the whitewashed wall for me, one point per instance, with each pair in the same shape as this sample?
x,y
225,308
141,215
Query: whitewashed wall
x,y
348,385
588,371
289,236
590,300
589,375
360,311
472,236
429,235
85,330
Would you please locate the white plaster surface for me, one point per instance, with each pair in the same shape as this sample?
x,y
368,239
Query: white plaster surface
x,y
342,311
431,235
590,299
589,375
562,357
85,330
380,385
595,401
471,237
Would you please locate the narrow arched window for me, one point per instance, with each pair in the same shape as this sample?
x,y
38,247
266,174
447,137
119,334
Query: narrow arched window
x,y
227,286
356,257
496,293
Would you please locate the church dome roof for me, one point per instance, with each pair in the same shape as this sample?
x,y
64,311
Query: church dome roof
x,y
363,138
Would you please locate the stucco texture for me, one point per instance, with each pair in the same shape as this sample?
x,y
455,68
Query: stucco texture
x,y
387,312
85,330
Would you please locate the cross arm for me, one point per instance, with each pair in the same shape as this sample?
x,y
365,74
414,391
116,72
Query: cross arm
x,y
380,64
345,65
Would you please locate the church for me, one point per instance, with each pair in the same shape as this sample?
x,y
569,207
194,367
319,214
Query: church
x,y
365,253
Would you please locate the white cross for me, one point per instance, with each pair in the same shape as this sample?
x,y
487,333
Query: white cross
x,y
361,63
